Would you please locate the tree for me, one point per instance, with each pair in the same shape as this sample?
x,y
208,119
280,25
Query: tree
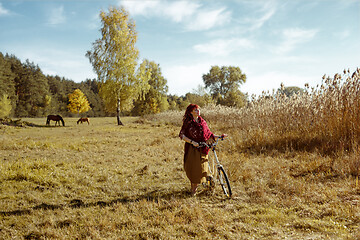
x,y
289,91
201,100
223,82
90,89
78,102
32,90
7,84
234,98
5,106
114,59
174,102
154,99
59,96
199,96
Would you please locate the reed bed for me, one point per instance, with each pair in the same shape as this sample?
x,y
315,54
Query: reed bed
x,y
323,119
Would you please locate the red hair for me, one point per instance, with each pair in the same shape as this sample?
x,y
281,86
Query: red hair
x,y
188,116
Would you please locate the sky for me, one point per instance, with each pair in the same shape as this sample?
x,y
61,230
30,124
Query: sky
x,y
293,42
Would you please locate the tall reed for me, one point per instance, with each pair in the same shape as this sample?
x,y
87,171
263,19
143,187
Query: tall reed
x,y
324,118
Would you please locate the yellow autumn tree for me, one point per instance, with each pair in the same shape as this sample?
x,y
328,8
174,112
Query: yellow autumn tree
x,y
114,58
78,102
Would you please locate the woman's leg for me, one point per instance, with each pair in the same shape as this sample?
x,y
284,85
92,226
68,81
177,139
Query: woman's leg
x,y
193,188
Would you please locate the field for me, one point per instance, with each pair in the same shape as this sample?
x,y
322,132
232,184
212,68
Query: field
x,y
103,181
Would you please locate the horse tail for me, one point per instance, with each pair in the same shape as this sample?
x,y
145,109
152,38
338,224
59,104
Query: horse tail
x,y
48,121
78,121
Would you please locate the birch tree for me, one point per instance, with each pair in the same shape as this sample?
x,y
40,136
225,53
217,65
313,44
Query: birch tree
x,y
153,99
114,59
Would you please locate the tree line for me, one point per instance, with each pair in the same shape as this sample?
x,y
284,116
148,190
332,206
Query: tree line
x,y
26,92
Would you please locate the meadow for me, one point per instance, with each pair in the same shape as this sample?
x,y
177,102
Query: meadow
x,y
293,164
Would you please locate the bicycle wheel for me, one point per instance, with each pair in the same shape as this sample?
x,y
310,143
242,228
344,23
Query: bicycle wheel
x,y
224,181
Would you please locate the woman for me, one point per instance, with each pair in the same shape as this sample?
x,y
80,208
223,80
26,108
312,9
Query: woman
x,y
193,131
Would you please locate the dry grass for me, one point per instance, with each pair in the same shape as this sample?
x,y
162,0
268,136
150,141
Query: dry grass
x,y
103,181
294,175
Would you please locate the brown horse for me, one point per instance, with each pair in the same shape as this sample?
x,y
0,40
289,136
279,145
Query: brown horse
x,y
56,118
81,120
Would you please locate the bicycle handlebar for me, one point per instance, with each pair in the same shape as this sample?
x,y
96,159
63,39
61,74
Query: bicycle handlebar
x,y
204,144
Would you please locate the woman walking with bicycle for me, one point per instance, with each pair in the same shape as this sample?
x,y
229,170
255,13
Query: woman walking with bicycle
x,y
194,131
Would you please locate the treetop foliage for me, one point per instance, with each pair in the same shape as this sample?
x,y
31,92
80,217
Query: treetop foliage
x,y
154,98
224,84
114,59
5,106
78,102
224,79
114,55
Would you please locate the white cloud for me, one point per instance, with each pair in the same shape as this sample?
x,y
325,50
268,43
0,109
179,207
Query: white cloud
x,y
192,14
343,34
259,22
184,78
3,11
263,13
56,16
176,11
140,7
293,37
180,10
208,19
223,47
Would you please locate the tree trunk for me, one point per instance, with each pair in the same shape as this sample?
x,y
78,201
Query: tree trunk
x,y
118,113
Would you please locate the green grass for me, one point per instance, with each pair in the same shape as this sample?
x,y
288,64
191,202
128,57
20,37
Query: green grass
x,y
103,181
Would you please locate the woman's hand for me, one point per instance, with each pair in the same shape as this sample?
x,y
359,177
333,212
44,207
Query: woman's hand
x,y
223,136
195,144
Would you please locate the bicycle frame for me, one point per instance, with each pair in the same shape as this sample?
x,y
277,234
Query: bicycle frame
x,y
215,164
212,147
222,177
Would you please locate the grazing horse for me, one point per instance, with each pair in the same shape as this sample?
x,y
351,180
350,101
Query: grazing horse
x,y
56,118
81,120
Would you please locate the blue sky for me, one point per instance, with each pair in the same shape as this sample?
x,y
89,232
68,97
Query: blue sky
x,y
274,41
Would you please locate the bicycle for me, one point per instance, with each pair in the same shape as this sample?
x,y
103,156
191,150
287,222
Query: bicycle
x,y
222,177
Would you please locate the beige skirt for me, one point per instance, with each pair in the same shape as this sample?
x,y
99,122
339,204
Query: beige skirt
x,y
196,165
